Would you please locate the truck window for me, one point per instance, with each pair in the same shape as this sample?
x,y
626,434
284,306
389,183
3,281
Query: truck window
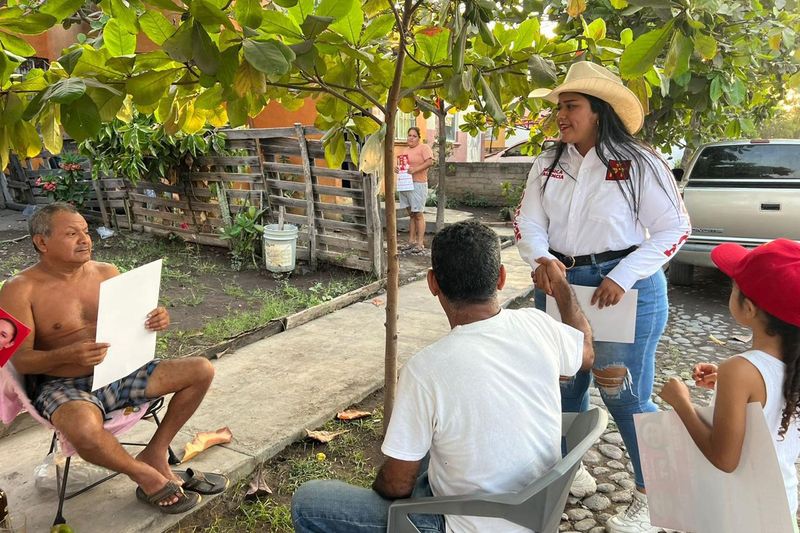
x,y
748,161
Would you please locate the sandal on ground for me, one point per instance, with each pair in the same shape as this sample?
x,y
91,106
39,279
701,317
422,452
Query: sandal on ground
x,y
405,246
185,501
202,483
418,250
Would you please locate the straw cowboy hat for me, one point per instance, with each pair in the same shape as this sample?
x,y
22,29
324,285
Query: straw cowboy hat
x,y
590,78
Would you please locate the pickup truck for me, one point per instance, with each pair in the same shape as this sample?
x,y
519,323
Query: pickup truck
x,y
747,192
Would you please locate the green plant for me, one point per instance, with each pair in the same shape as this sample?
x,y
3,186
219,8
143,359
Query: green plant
x,y
243,234
68,184
142,149
433,199
512,194
470,199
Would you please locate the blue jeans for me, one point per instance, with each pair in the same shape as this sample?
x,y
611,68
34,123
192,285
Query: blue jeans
x,y
327,506
633,395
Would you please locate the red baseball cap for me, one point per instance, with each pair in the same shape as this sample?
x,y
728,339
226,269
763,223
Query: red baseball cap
x,y
769,275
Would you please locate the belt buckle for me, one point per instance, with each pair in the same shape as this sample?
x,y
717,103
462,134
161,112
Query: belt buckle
x,y
570,267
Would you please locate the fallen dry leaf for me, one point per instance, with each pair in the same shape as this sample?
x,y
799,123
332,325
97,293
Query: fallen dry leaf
x,y
377,302
352,414
324,436
715,340
257,488
742,338
205,440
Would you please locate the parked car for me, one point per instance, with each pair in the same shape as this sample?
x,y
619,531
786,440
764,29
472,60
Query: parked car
x,y
513,153
747,192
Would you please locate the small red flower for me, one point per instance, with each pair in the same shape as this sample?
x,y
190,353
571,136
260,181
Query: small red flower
x,y
184,225
38,182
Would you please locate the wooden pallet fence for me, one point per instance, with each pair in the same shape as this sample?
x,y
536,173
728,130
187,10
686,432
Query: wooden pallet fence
x,y
336,210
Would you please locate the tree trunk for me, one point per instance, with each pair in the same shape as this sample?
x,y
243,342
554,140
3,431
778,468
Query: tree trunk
x,y
393,264
441,190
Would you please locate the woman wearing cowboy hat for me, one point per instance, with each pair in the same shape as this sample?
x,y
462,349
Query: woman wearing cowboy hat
x,y
605,208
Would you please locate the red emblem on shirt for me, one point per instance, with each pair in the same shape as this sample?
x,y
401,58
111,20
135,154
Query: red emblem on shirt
x,y
618,170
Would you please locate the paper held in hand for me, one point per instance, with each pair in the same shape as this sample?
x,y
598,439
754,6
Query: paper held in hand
x,y
125,301
686,492
405,182
610,324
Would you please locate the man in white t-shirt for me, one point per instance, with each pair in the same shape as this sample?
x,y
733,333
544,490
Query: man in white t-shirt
x,y
483,402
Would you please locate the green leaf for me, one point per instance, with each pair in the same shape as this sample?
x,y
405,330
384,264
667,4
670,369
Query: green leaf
x,y
280,24
156,26
527,32
117,39
715,90
542,71
365,126
179,46
26,23
350,25
286,3
248,13
705,45
619,4
736,92
626,36
680,52
61,9
70,59
210,98
596,30
148,88
638,86
248,80
490,102
12,111
313,25
237,111
209,15
434,43
301,10
335,150
51,130
125,14
81,119
204,51
108,104
270,57
640,55
26,139
94,63
378,28
66,91
335,9
19,46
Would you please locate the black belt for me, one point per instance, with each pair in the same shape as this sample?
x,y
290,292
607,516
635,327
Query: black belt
x,y
583,260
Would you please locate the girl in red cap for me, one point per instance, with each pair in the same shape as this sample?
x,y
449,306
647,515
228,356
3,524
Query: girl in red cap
x,y
766,289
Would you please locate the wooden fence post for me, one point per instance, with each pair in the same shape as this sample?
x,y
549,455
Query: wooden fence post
x,y
374,227
309,191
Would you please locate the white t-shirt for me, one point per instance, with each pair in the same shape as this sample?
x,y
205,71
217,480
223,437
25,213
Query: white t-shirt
x,y
485,400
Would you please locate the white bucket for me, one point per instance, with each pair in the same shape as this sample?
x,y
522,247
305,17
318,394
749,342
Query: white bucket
x,y
280,247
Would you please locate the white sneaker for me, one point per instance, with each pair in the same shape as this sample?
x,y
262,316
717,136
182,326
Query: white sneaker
x,y
584,484
635,519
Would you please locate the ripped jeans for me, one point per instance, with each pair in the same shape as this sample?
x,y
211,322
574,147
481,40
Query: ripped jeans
x,y
631,393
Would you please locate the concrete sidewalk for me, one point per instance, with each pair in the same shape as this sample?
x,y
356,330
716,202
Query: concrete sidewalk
x,y
267,394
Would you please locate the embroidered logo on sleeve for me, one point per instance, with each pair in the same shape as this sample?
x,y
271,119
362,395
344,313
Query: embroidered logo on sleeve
x,y
556,173
668,252
618,170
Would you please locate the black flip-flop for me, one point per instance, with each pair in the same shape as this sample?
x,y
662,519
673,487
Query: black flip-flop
x,y
185,501
202,483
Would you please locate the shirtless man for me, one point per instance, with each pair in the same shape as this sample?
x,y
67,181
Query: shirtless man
x,y
58,298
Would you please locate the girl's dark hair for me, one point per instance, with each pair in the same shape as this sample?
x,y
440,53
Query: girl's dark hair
x,y
13,328
614,142
789,335
419,133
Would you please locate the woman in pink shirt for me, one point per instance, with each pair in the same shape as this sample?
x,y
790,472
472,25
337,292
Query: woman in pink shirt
x,y
420,159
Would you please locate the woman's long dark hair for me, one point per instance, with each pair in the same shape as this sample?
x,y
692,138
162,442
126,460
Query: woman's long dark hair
x,y
614,142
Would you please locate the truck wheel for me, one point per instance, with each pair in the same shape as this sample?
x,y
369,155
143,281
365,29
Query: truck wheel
x,y
681,273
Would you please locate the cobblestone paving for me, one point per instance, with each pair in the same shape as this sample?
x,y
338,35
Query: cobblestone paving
x,y
699,322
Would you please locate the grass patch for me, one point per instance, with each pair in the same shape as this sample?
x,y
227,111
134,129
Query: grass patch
x,y
240,321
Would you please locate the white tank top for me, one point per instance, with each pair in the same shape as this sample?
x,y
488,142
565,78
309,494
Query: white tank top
x,y
787,447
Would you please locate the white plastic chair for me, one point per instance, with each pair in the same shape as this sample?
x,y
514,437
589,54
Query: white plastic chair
x,y
538,506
